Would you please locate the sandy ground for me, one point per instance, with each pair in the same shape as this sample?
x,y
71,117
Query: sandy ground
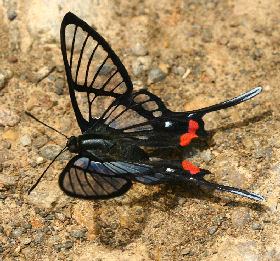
x,y
228,47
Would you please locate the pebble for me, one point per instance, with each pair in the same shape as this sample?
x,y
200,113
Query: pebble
x,y
39,237
8,180
212,230
41,74
206,156
256,226
141,64
8,117
186,251
179,70
59,83
139,50
77,233
50,151
39,160
60,216
12,59
182,201
4,77
155,75
106,69
51,77
17,232
59,91
12,15
26,241
25,140
60,68
40,141
240,217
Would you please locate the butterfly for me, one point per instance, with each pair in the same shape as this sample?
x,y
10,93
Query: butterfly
x,y
116,123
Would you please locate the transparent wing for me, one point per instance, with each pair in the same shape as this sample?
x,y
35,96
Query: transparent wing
x,y
88,179
96,77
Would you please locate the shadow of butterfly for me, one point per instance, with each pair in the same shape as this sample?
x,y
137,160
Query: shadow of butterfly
x,y
116,123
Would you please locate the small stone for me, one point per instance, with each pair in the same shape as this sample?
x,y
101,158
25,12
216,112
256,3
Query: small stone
x,y
49,152
8,145
106,69
77,233
8,117
51,77
182,201
17,232
8,180
39,160
256,226
186,251
39,237
57,247
139,50
67,245
179,70
26,241
206,156
60,68
12,59
4,77
42,73
212,230
141,64
59,83
138,85
240,217
12,15
25,140
60,216
49,217
155,75
59,91
40,141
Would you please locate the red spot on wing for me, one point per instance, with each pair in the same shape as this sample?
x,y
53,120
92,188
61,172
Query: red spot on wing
x,y
186,138
190,167
193,126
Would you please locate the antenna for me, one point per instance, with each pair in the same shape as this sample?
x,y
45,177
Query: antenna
x,y
33,117
38,180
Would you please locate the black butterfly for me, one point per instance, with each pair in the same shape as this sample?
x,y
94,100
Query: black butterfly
x,y
109,157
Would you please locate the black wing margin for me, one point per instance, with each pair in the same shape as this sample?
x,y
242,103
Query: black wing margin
x,y
96,76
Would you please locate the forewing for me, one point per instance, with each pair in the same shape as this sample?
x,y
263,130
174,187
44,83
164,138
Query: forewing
x,y
88,179
96,76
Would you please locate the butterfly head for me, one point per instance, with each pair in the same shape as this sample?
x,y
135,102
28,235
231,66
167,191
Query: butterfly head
x,y
72,144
